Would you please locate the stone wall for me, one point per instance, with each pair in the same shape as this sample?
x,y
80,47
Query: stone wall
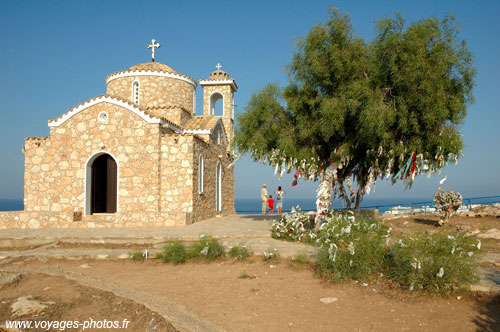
x,y
155,91
177,174
56,167
34,220
37,220
204,204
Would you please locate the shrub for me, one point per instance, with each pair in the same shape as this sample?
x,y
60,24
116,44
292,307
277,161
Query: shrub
x,y
448,202
270,254
356,247
137,256
239,253
174,252
245,275
207,248
301,258
437,263
351,247
294,227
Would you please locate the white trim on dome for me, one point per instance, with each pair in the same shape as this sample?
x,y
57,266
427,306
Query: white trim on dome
x,y
150,73
111,100
221,82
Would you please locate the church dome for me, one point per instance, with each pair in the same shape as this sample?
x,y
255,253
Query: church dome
x,y
152,66
154,86
145,68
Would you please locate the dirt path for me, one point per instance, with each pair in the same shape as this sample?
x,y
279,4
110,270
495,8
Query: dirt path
x,y
279,298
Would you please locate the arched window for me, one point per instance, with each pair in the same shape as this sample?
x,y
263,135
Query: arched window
x,y
218,136
216,107
218,187
135,92
201,167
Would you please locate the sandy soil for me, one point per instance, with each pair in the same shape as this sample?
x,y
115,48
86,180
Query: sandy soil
x,y
430,222
456,223
285,297
74,302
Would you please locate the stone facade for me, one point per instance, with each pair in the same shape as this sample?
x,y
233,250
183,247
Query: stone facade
x,y
156,146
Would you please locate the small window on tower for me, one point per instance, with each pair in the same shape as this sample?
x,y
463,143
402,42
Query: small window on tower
x,y
135,92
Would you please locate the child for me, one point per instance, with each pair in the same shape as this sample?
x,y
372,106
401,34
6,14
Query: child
x,y
270,202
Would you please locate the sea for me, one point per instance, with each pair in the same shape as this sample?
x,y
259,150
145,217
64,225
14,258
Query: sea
x,y
253,206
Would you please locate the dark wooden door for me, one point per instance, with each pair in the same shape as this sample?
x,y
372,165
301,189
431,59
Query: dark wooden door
x,y
104,184
111,185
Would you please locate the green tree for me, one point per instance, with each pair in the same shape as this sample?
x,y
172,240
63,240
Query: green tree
x,y
358,110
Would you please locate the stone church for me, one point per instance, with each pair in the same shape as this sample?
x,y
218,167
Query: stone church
x,y
138,155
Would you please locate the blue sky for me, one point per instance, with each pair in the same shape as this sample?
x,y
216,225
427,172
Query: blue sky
x,y
56,54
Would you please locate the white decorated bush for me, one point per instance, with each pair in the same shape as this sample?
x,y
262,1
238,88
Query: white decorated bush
x,y
447,202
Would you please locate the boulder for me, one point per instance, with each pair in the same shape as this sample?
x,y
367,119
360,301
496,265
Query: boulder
x,y
28,305
490,234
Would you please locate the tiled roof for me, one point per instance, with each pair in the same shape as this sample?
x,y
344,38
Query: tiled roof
x,y
205,122
150,67
203,125
153,66
33,138
167,107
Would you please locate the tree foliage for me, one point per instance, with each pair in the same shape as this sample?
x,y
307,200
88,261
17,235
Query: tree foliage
x,y
390,107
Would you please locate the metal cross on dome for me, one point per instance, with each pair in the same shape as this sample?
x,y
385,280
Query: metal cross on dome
x,y
152,47
218,66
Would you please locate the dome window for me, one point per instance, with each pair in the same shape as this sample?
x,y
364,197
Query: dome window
x,y
135,92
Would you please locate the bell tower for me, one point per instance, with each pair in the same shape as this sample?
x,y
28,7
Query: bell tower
x,y
219,88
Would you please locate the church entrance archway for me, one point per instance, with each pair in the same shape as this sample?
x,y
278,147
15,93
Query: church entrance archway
x,y
218,190
101,184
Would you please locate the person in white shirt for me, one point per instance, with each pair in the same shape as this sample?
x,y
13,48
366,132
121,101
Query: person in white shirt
x,y
279,199
263,198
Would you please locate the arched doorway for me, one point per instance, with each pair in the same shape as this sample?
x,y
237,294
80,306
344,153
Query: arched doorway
x,y
218,195
102,180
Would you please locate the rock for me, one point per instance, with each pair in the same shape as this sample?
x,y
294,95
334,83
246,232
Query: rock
x,y
7,278
3,257
471,233
124,256
487,211
464,227
328,300
27,305
490,234
85,266
480,288
34,224
102,256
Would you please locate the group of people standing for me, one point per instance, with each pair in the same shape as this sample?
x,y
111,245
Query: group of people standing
x,y
268,201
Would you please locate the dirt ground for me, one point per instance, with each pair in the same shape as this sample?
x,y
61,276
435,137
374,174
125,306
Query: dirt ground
x,y
430,222
247,296
74,302
457,223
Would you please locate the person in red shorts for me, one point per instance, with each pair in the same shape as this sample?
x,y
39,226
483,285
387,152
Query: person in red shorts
x,y
270,203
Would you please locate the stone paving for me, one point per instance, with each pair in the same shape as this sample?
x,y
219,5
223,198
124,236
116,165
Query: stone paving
x,y
252,230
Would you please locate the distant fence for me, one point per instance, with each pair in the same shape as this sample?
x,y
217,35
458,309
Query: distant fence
x,y
428,207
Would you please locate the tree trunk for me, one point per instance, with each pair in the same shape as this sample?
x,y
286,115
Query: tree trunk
x,y
359,197
343,194
324,194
